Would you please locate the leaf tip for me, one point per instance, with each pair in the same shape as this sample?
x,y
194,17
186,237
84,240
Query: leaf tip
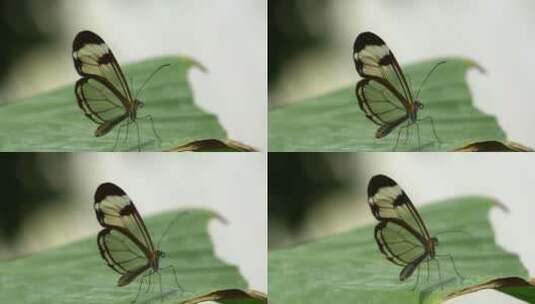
x,y
473,64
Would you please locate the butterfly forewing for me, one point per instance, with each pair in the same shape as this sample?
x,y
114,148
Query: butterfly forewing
x,y
374,60
94,59
115,209
388,201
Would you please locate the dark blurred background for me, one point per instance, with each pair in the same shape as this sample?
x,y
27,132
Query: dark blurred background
x,y
302,184
31,183
294,26
25,25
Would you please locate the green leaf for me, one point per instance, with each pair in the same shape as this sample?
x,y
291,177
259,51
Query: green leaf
x,y
334,122
76,273
349,268
54,122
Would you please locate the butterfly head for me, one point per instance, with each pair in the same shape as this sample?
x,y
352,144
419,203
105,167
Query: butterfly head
x,y
419,105
139,103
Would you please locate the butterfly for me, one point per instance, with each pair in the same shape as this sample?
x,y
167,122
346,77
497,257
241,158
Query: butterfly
x,y
401,234
383,94
125,243
103,93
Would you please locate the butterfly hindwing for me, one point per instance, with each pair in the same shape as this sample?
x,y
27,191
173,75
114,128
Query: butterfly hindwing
x,y
122,254
380,106
401,245
99,104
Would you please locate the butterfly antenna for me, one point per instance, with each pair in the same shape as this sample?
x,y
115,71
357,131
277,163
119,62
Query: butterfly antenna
x,y
150,77
455,231
427,77
169,227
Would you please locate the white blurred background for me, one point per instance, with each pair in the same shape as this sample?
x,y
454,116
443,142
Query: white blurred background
x,y
499,35
228,37
232,184
425,177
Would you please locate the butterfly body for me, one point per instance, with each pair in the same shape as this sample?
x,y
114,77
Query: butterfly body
x,y
383,94
124,231
401,233
102,93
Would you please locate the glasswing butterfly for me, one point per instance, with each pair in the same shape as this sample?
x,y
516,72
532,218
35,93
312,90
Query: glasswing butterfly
x,y
384,94
401,234
125,243
103,93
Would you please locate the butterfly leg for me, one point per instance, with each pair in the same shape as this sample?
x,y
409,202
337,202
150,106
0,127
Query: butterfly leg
x,y
430,119
418,134
150,286
125,140
117,137
407,135
149,118
406,128
434,130
160,282
127,126
171,267
154,131
397,139
439,273
399,135
417,279
427,268
449,256
138,138
138,290
119,130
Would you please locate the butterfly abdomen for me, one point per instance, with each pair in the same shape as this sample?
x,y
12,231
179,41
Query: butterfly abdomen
x,y
106,127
